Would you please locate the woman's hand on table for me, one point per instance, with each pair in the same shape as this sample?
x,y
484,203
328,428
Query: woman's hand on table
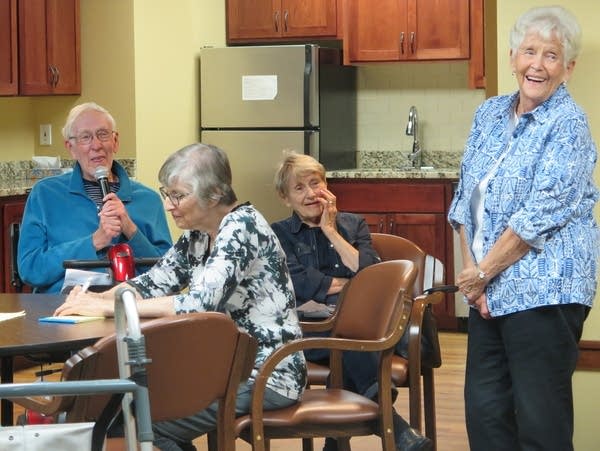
x,y
85,303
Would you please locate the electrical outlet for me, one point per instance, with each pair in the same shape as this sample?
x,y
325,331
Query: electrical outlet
x,y
45,135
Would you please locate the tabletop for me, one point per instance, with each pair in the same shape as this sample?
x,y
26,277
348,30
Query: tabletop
x,y
25,335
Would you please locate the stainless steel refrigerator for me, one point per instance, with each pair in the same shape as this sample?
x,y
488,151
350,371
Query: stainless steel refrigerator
x,y
257,101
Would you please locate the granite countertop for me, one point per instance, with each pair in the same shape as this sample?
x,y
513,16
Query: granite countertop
x,y
390,173
15,187
17,177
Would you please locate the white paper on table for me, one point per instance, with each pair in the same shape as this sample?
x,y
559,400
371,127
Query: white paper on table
x,y
11,315
81,277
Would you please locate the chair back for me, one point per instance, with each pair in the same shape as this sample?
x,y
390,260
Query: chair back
x,y
394,247
196,359
367,305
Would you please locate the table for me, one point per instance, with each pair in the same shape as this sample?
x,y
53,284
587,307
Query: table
x,y
25,335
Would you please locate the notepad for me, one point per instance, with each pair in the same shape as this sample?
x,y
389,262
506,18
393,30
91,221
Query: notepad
x,y
69,319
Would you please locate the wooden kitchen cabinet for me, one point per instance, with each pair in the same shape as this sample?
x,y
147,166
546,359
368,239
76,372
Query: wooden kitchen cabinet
x,y
8,48
415,209
258,20
49,47
11,208
399,30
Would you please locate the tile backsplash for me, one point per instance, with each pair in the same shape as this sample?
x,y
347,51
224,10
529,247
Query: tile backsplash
x,y
444,103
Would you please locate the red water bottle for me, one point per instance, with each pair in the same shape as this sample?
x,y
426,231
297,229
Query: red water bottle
x,y
122,262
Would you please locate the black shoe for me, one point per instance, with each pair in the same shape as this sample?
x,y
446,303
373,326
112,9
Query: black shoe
x,y
330,444
411,440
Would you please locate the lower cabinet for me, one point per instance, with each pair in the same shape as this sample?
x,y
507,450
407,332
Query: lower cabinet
x,y
11,208
412,208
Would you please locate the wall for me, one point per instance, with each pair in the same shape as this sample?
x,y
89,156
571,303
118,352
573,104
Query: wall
x,y
583,88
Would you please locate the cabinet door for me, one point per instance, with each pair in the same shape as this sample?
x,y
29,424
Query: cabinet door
x,y
397,30
438,29
253,19
12,213
376,31
49,47
308,18
427,230
377,222
8,47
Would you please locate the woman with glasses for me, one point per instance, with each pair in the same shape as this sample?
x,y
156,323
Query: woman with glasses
x,y
228,260
68,218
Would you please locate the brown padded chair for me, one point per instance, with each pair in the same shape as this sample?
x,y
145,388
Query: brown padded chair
x,y
371,315
405,372
197,358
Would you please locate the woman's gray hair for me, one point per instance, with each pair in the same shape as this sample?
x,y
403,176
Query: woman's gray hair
x,y
205,168
549,22
76,111
298,165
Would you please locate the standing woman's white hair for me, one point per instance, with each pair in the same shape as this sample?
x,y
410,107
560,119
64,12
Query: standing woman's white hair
x,y
549,22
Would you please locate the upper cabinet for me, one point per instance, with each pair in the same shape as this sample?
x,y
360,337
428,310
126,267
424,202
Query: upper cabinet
x,y
400,30
49,47
268,20
46,59
8,47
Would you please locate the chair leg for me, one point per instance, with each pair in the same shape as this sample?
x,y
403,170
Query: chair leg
x,y
429,402
343,444
307,444
212,441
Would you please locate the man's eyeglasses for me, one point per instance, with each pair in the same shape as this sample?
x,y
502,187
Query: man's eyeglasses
x,y
86,138
174,197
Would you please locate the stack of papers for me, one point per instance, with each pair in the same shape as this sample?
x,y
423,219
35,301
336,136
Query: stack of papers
x,y
69,319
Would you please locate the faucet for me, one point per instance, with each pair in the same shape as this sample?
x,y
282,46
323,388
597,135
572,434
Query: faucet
x,y
412,129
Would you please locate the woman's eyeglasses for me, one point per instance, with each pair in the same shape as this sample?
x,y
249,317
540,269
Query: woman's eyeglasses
x,y
174,197
86,138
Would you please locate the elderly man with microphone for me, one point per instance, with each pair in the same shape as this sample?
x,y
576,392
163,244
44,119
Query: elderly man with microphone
x,y
79,215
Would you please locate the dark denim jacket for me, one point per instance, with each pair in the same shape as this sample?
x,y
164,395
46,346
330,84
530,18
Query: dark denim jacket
x,y
313,261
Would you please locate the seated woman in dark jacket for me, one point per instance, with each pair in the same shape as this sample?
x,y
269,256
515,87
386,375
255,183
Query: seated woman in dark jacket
x,y
324,249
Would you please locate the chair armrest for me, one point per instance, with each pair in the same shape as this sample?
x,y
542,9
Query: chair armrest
x,y
318,326
442,288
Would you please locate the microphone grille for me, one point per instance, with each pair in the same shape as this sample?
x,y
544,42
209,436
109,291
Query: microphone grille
x,y
101,173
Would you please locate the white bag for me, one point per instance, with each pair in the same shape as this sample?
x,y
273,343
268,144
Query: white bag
x,y
46,437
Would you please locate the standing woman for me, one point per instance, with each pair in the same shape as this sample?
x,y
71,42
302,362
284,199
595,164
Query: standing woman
x,y
524,211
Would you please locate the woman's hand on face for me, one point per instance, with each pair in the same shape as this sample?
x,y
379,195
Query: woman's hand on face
x,y
84,303
329,214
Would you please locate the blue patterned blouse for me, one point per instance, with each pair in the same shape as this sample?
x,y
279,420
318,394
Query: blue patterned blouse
x,y
543,190
245,276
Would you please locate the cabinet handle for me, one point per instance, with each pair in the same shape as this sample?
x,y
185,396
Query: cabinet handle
x,y
57,76
402,42
276,19
380,226
392,226
285,21
52,75
412,42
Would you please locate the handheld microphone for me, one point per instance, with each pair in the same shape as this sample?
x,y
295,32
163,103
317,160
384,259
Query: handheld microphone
x,y
101,175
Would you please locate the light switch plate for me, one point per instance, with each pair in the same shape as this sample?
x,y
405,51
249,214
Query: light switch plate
x,y
45,135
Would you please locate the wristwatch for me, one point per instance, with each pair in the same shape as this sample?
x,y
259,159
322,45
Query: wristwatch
x,y
481,275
